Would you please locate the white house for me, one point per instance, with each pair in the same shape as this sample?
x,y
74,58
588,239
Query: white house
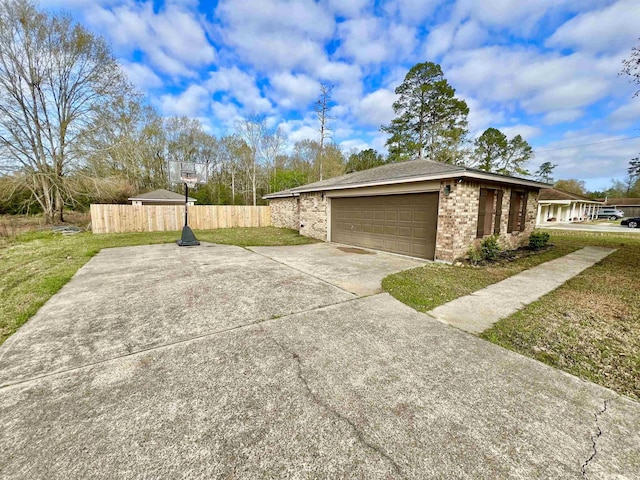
x,y
558,206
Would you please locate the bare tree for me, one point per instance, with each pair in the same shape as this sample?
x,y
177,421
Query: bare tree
x,y
631,67
252,130
54,78
272,145
322,111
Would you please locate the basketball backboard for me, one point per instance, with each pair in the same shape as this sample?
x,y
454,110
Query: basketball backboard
x,y
190,173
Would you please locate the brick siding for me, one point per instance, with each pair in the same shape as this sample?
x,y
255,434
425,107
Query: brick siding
x,y
285,213
313,215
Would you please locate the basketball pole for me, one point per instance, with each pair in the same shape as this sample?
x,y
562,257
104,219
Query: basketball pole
x,y
188,239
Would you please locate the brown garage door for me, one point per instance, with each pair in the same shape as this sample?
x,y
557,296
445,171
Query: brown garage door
x,y
403,224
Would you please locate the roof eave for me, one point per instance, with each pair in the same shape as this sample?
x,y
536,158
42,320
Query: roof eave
x,y
494,177
426,178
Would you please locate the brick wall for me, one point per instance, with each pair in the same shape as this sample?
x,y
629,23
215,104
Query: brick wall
x,y
285,213
313,215
458,219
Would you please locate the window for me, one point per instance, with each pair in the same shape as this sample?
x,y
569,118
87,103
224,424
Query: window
x,y
489,211
517,211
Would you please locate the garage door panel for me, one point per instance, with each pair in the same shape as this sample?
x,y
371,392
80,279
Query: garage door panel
x,y
404,231
420,216
403,224
405,215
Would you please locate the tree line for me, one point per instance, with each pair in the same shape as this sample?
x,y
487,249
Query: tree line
x,y
73,130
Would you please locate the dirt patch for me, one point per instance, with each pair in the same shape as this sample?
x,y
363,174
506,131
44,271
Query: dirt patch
x,y
355,250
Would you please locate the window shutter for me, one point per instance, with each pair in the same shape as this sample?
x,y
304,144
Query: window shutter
x,y
523,216
482,203
513,211
496,223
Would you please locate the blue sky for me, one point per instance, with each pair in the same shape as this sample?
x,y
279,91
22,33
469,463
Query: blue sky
x,y
546,69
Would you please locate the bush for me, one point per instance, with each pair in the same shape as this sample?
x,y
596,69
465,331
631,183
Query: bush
x,y
489,248
538,240
487,252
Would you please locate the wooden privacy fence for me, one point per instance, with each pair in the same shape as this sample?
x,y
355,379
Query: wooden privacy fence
x,y
160,218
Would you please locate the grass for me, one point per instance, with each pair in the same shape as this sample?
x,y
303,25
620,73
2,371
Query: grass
x,y
35,265
589,327
425,288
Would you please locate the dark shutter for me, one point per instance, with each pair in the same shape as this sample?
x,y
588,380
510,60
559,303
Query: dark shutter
x,y
513,211
496,223
482,204
523,208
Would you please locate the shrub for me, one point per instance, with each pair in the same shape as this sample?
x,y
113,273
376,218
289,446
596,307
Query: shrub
x,y
487,251
538,240
474,256
489,248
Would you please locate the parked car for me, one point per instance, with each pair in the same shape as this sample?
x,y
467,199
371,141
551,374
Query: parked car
x,y
610,213
631,222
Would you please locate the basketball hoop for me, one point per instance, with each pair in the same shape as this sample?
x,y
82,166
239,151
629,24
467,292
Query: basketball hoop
x,y
188,175
191,174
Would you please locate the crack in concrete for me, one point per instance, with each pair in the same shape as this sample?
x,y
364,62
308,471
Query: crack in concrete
x,y
316,399
594,438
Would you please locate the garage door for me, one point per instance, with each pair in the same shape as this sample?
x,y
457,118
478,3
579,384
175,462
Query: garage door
x,y
403,224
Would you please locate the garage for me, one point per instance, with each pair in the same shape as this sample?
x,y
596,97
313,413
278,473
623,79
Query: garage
x,y
405,223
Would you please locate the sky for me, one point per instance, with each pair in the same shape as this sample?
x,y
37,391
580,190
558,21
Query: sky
x,y
545,69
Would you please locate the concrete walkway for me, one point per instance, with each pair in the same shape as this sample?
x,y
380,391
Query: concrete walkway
x,y
478,311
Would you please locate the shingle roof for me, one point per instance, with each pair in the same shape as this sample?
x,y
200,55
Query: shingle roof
x,y
555,194
160,196
623,201
412,170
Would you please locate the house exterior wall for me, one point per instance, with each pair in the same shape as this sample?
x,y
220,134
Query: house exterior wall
x,y
285,213
313,215
457,216
458,219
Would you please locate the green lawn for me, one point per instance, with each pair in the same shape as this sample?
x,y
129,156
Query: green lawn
x,y
35,265
589,327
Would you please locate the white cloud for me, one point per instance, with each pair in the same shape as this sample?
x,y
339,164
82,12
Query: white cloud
x,y
514,15
348,9
469,34
141,75
294,91
273,34
439,40
610,29
412,12
525,131
239,86
562,116
540,82
482,116
191,103
371,40
625,115
376,108
173,39
599,157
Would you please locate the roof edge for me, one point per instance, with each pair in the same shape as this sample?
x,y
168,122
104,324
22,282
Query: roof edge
x,y
422,178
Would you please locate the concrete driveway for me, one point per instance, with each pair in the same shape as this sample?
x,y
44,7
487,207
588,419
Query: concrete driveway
x,y
218,362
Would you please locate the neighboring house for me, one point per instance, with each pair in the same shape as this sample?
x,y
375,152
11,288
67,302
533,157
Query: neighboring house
x,y
419,208
161,197
559,206
630,206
